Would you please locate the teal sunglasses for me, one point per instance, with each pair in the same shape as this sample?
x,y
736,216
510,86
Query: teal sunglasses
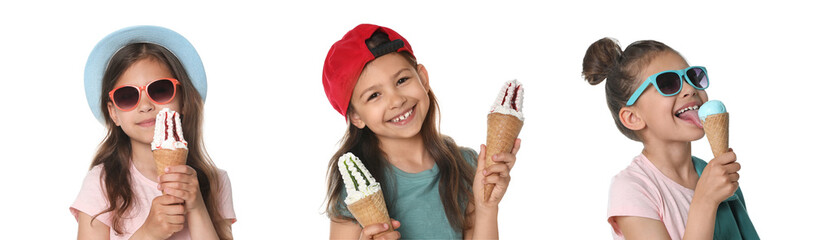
x,y
669,83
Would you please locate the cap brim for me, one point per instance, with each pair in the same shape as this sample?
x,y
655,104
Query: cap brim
x,y
104,50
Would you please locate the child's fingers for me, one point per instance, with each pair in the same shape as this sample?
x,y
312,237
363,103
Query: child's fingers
x,y
175,219
507,158
374,229
496,179
168,200
732,167
726,158
174,224
395,223
177,177
390,235
183,169
501,169
503,157
172,209
178,193
516,146
175,227
481,158
733,177
172,177
176,185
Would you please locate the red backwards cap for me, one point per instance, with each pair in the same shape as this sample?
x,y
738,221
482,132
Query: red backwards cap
x,y
348,57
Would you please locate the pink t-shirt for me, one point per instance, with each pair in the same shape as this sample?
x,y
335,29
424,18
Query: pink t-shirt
x,y
641,190
92,200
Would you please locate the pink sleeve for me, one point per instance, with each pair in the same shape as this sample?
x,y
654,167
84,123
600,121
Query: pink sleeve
x,y
227,209
631,195
91,199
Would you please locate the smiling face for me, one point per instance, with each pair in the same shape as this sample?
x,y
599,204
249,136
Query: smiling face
x,y
669,118
391,97
139,123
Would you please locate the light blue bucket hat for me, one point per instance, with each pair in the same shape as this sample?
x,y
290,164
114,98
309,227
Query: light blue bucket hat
x,y
100,57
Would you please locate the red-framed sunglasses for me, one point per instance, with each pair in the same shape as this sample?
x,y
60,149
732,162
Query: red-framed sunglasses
x,y
160,91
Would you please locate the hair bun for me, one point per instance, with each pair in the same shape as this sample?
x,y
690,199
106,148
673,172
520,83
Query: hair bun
x,y
600,58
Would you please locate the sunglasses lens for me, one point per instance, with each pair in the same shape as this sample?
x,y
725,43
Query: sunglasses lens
x,y
126,97
668,82
698,77
161,91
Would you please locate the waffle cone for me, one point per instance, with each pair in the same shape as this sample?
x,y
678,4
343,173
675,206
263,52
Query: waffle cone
x,y
169,157
717,129
500,137
371,210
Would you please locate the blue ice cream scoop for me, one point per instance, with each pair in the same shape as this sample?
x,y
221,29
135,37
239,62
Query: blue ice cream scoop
x,y
711,107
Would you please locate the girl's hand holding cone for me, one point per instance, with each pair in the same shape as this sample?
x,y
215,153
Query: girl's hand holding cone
x,y
181,181
719,179
375,229
497,174
166,218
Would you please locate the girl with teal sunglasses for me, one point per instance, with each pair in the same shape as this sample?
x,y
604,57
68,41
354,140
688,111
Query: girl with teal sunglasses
x,y
665,192
668,83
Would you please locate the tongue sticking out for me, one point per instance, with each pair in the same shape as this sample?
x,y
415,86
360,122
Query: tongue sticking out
x,y
692,117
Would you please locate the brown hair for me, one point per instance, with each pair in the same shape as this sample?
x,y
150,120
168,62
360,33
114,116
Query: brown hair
x,y
605,59
455,173
114,153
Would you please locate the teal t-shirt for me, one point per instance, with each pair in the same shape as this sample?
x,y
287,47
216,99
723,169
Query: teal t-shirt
x,y
731,220
413,199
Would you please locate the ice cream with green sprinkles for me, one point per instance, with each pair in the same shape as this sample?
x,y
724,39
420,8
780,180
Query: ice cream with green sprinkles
x,y
358,181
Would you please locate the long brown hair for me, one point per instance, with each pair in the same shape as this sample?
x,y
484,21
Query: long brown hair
x,y
114,153
455,174
605,59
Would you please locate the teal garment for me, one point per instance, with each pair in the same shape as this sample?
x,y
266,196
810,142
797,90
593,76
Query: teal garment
x,y
413,199
731,221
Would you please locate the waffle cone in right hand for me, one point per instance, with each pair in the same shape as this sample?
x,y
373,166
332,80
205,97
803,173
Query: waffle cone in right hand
x,y
716,127
371,210
500,137
169,157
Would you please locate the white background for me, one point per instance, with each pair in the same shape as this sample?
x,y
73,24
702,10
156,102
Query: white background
x,y
268,122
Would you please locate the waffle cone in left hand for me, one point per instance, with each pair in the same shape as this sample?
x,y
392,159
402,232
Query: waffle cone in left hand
x,y
371,210
500,137
169,157
716,127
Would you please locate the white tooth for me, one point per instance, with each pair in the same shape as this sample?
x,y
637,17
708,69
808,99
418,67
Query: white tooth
x,y
402,117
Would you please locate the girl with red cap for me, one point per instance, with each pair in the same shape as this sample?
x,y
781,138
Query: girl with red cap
x,y
433,188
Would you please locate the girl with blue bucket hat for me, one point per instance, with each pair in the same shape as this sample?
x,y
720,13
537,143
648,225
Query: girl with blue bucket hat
x,y
130,76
